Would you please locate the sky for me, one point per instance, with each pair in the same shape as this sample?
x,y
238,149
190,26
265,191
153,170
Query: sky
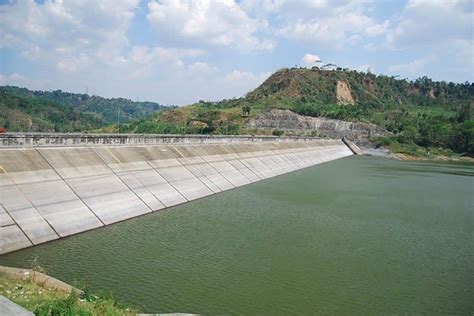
x,y
179,52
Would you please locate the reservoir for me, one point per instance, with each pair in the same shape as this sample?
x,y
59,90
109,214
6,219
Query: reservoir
x,y
355,235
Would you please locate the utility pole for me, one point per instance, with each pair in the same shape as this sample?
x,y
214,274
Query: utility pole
x,y
118,119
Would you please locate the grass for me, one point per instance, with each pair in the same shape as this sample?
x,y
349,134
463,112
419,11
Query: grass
x,y
50,301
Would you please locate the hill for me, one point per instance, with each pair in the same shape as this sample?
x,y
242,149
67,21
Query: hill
x,y
421,113
26,110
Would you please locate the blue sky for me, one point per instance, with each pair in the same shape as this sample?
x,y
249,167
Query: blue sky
x,y
179,52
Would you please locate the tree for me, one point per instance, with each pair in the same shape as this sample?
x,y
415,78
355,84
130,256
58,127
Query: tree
x,y
246,110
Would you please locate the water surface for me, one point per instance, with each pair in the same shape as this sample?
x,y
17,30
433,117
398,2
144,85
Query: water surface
x,y
357,235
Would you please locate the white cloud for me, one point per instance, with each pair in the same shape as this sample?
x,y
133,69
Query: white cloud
x,y
200,81
68,34
333,30
310,60
72,64
86,42
159,55
202,68
237,82
413,67
432,21
332,23
16,79
444,28
237,75
215,22
377,29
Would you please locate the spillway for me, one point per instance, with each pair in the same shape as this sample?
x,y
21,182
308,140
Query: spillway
x,y
56,185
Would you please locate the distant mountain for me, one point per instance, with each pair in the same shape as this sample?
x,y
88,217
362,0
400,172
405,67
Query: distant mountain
x,y
26,110
421,113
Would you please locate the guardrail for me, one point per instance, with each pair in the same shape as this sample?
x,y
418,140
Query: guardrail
x,y
86,139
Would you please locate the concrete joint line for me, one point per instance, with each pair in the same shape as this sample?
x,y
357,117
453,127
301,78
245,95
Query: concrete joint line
x,y
237,159
4,171
118,177
67,184
233,186
217,171
182,156
15,223
166,181
184,166
16,185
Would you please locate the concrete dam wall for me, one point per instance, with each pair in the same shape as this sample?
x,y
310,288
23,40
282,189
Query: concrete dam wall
x,y
49,191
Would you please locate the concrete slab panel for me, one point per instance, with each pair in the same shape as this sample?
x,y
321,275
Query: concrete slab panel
x,y
252,164
117,206
217,157
69,217
240,150
166,161
60,206
121,159
230,173
75,162
206,152
25,215
5,219
142,192
12,238
202,171
5,179
215,177
24,165
184,151
157,154
185,182
257,166
207,175
242,168
96,185
281,163
159,187
34,225
108,197
288,163
271,163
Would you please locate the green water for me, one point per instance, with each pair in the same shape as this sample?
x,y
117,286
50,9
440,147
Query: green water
x,y
357,235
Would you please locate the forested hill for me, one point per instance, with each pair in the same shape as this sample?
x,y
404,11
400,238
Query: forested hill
x,y
422,112
26,110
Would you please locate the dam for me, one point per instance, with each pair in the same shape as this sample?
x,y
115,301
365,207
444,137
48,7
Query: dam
x,y
57,185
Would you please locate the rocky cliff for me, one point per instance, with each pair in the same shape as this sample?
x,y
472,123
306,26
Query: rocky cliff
x,y
294,124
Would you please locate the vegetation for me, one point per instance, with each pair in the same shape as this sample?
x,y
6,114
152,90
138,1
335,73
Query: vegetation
x,y
49,301
25,110
278,132
420,113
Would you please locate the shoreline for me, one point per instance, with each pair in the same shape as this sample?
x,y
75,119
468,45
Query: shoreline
x,y
406,157
384,152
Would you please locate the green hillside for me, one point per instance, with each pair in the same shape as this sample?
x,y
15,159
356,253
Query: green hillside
x,y
421,113
25,110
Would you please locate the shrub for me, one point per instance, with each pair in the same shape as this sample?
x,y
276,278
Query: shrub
x,y
278,132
